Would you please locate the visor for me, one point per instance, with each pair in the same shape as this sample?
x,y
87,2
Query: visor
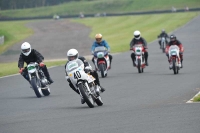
x,y
25,50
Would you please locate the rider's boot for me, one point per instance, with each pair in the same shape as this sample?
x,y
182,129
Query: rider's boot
x,y
181,63
146,58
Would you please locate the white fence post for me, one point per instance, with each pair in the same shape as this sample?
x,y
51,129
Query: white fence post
x,y
1,40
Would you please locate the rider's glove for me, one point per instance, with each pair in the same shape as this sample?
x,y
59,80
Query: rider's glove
x,y
21,70
42,64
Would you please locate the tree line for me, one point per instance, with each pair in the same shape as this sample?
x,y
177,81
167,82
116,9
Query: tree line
x,y
21,4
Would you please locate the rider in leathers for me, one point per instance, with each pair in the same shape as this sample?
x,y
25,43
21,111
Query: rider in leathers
x,y
174,41
100,42
72,54
31,55
138,40
163,34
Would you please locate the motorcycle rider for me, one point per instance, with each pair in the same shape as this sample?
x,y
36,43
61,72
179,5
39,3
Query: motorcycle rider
x,y
138,40
174,41
163,34
31,55
99,42
73,54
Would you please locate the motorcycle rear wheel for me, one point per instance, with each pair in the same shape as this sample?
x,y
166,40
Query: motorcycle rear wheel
x,y
99,101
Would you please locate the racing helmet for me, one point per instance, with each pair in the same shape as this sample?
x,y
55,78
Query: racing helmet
x,y
137,34
72,54
172,38
98,37
26,48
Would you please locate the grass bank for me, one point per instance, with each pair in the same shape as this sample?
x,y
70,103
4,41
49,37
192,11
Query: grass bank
x,y
13,31
118,31
100,6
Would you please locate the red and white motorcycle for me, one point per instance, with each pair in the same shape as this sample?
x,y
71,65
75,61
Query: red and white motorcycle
x,y
139,57
101,60
174,59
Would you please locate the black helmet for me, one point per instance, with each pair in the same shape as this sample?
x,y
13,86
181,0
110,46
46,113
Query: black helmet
x,y
172,37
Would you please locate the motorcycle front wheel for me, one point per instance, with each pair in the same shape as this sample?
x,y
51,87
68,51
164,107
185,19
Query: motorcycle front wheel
x,y
87,97
174,66
35,83
139,66
102,69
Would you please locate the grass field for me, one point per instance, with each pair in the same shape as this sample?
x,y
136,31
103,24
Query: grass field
x,y
118,31
100,6
14,31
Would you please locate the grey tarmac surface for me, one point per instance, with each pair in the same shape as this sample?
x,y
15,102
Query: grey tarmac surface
x,y
151,102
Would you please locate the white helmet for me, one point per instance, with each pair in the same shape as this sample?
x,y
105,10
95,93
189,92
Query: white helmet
x,y
137,34
26,48
72,54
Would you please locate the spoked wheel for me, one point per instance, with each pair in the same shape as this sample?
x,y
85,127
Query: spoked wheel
x,y
139,66
35,83
87,97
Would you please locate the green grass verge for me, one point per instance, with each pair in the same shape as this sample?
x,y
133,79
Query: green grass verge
x,y
100,6
13,31
197,98
118,31
12,68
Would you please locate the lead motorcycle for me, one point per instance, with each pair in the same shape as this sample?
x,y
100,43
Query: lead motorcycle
x,y
101,60
139,57
37,79
174,58
84,83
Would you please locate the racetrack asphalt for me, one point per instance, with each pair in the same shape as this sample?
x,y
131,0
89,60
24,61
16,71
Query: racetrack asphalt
x,y
150,102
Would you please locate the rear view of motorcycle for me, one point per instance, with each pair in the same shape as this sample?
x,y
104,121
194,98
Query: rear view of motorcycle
x,y
101,60
139,57
38,80
174,59
84,83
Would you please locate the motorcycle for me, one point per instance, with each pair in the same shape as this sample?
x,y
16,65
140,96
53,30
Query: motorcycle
x,y
174,58
37,79
101,60
139,57
84,83
163,44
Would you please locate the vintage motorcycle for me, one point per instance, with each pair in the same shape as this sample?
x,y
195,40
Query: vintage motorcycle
x,y
37,79
139,57
163,44
84,83
101,60
174,58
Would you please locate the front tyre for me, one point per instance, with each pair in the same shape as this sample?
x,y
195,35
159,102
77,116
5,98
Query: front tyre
x,y
101,68
87,97
174,66
35,83
139,66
